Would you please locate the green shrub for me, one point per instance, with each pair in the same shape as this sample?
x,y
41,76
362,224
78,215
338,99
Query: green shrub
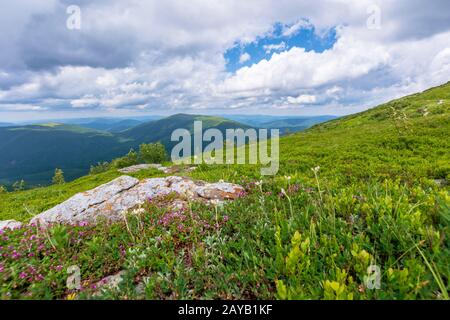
x,y
100,167
129,160
58,178
152,153
19,185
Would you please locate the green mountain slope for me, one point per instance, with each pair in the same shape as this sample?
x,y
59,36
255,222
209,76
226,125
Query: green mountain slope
x,y
405,138
33,152
161,130
123,125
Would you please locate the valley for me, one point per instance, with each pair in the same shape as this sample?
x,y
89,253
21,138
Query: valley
x,y
32,152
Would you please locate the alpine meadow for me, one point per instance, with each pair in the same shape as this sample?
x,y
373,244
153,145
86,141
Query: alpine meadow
x,y
365,189
214,159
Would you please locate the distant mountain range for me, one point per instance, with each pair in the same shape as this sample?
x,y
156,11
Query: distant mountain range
x,y
286,124
32,152
290,125
111,125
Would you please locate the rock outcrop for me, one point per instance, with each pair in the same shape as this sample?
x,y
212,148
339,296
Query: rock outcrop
x,y
140,167
113,199
167,170
10,224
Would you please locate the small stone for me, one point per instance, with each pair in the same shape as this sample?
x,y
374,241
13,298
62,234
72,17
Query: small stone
x,y
10,224
139,167
178,204
109,283
440,182
220,191
140,290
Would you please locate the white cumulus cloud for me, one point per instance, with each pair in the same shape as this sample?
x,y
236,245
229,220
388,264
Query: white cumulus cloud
x,y
244,58
302,99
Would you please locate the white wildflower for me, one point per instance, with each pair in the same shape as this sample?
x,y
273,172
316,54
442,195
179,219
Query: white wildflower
x,y
216,203
138,211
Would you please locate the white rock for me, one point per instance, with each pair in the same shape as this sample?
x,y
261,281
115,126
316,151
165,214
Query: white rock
x,y
73,209
166,170
220,191
10,224
440,182
139,167
109,283
119,196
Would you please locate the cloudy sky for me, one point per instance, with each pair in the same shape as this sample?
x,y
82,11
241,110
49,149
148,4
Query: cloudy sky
x,y
132,57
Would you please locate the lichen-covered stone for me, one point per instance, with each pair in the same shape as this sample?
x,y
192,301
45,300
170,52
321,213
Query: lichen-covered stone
x,y
139,167
119,196
10,224
75,208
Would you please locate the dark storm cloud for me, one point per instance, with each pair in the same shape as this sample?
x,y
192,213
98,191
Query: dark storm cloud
x,y
47,43
416,19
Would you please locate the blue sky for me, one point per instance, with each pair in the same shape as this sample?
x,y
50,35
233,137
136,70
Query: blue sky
x,y
281,37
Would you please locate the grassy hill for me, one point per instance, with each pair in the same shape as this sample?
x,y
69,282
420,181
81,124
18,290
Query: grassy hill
x,y
367,190
161,130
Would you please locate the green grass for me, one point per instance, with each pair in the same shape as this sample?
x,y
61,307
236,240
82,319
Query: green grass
x,y
301,234
373,144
